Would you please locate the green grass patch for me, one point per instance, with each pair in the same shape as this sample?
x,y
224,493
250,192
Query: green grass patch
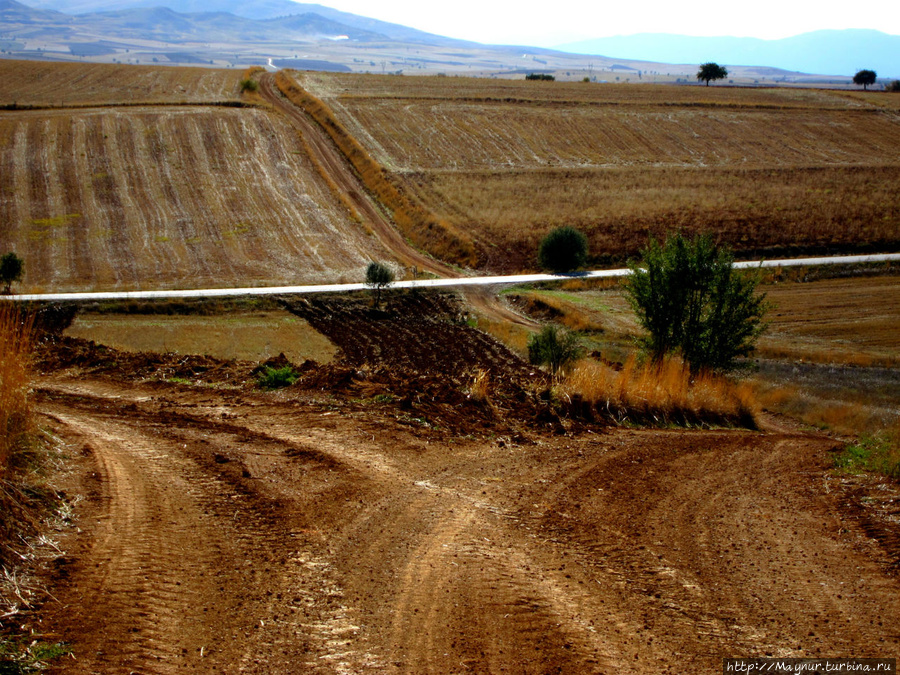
x,y
872,453
18,656
276,378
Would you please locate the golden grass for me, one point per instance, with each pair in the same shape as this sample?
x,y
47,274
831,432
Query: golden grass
x,y
15,413
663,393
433,235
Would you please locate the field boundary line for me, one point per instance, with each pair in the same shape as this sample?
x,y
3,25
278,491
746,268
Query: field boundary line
x,y
417,283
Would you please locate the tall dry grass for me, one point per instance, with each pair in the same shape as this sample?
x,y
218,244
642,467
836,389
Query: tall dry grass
x,y
15,418
659,393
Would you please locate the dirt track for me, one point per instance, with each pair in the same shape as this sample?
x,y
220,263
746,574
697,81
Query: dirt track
x,y
281,533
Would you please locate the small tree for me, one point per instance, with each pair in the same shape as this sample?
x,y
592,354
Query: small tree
x,y
689,299
865,78
711,71
563,250
553,347
893,85
11,269
378,276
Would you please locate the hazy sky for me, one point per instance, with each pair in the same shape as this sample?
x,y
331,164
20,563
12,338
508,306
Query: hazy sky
x,y
546,24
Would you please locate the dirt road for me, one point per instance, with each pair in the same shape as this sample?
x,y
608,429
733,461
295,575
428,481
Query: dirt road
x,y
230,531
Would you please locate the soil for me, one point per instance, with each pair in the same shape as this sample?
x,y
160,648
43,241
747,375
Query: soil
x,y
342,526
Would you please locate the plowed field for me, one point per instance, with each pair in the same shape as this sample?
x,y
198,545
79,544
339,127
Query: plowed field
x,y
765,169
98,199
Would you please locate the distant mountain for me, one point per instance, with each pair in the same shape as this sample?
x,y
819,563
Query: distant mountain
x,y
828,52
250,9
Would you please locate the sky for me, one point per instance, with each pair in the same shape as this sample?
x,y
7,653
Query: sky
x,y
548,24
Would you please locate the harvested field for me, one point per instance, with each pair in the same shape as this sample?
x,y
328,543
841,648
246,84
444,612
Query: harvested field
x,y
358,86
756,211
766,169
247,336
169,197
849,321
40,83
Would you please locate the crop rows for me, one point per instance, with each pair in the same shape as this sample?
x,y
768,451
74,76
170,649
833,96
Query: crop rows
x,y
171,197
39,83
767,170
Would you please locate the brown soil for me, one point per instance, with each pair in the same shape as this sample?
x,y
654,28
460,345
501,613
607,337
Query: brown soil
x,y
325,528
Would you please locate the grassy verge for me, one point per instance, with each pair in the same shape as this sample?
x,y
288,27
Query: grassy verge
x,y
872,453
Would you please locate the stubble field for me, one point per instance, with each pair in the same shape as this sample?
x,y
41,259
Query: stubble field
x,y
40,83
169,197
766,169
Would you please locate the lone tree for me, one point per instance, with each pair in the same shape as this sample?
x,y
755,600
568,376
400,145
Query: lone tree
x,y
690,300
553,347
563,250
378,276
11,269
865,78
711,71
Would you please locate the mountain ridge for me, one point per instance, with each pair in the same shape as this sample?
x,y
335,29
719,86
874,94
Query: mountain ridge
x,y
826,52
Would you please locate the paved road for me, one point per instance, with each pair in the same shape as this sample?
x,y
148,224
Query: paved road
x,y
418,283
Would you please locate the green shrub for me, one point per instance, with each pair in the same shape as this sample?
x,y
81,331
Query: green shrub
x,y
276,378
554,348
249,84
563,250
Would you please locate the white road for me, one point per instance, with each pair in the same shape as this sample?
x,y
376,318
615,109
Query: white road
x,y
418,283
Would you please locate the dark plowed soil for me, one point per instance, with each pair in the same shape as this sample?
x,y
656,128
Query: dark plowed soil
x,y
425,333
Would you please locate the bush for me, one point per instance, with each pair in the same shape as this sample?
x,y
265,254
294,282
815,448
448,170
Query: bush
x,y
689,299
378,276
555,348
276,378
249,84
894,85
541,77
11,269
563,250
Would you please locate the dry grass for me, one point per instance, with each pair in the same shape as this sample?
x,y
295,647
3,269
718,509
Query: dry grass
x,y
17,430
661,394
433,235
40,83
15,414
